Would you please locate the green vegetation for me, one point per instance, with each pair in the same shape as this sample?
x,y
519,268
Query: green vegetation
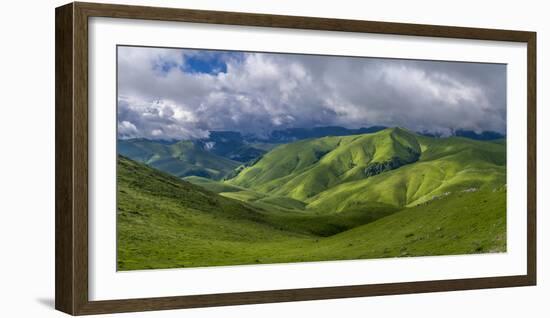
x,y
181,159
212,185
387,194
166,222
333,174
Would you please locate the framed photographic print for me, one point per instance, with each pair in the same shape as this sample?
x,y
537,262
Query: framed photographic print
x,y
211,158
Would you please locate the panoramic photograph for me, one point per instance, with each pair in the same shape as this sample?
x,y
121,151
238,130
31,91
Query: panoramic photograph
x,y
244,158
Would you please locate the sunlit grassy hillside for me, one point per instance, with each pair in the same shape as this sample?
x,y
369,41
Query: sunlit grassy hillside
x,y
393,167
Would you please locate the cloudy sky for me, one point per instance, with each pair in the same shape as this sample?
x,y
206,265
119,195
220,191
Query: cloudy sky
x,y
183,94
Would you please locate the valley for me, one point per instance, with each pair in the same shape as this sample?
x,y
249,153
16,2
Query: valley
x,y
383,193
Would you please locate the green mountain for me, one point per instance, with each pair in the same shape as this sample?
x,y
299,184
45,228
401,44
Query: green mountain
x,y
181,159
303,169
393,167
166,222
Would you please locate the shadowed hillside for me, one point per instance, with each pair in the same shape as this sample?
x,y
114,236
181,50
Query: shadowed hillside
x,y
181,159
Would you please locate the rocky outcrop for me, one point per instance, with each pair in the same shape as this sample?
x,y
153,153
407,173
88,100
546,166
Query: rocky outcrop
x,y
375,168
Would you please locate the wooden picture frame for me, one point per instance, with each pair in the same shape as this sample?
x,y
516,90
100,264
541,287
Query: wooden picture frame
x,y
71,90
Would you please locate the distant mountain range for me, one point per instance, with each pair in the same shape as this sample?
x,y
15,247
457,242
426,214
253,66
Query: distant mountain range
x,y
470,134
293,134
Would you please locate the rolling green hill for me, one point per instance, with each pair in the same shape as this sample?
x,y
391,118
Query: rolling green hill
x,y
393,167
303,169
445,166
181,159
166,222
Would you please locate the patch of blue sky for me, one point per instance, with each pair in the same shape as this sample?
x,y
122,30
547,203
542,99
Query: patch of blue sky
x,y
209,62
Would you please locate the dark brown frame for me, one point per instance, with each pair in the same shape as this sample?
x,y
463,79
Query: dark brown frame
x,y
71,157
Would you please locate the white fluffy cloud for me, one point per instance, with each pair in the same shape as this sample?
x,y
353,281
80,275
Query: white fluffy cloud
x,y
162,95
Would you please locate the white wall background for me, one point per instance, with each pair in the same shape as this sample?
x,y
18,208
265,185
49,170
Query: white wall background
x,y
27,159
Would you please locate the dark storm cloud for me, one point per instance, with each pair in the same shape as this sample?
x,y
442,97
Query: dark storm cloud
x,y
172,93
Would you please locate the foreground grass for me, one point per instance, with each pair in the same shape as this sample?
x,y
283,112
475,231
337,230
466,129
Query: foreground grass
x,y
461,223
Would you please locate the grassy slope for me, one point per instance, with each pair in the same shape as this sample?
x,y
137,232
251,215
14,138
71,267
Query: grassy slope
x,y
460,223
212,185
243,194
457,224
181,159
165,222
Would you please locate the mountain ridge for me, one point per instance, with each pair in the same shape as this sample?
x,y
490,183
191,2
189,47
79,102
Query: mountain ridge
x,y
393,166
